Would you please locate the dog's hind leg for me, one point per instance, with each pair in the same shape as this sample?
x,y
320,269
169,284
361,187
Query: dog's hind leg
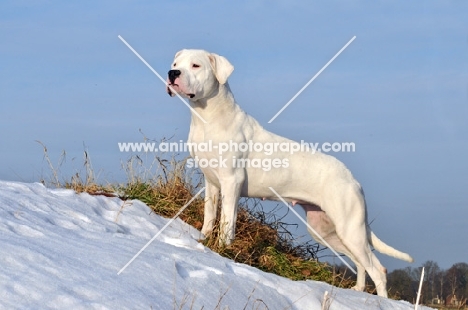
x,y
352,230
361,278
365,259
325,228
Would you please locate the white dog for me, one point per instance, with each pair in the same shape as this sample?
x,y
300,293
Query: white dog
x,y
322,185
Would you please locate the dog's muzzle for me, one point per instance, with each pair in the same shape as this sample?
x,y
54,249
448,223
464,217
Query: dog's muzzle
x,y
173,75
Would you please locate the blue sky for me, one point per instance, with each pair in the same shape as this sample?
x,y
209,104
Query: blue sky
x,y
399,92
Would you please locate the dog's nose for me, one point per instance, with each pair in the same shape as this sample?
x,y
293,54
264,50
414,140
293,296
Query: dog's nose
x,y
173,74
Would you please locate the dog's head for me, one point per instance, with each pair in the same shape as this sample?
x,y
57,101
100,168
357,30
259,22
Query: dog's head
x,y
195,74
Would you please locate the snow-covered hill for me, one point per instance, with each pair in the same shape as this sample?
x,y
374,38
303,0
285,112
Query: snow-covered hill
x,y
61,250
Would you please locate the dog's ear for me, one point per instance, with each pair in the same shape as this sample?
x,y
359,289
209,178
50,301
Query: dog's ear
x,y
178,53
222,68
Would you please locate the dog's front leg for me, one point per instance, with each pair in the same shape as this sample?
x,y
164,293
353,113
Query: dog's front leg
x,y
211,207
230,191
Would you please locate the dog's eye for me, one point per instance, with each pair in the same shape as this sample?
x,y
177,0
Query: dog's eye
x,y
174,64
195,66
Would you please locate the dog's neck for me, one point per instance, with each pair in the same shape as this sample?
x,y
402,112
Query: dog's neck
x,y
219,106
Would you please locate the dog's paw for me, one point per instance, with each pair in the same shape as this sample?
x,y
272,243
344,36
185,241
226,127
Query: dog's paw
x,y
206,231
358,288
201,237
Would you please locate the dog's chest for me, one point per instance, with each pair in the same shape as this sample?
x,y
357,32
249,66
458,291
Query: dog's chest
x,y
199,145
204,143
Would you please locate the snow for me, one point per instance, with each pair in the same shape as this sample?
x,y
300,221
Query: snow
x,y
62,250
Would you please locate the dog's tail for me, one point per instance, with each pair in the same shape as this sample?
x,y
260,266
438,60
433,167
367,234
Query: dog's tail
x,y
384,248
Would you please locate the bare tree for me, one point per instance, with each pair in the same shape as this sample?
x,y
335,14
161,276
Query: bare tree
x,y
440,281
457,278
400,283
432,271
